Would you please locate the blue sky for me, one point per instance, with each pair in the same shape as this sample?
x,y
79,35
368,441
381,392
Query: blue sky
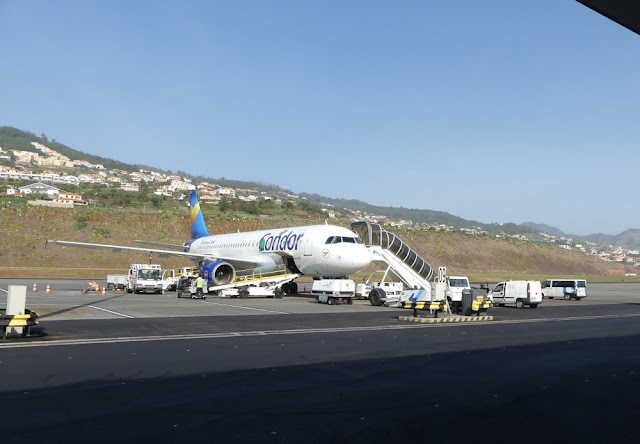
x,y
497,111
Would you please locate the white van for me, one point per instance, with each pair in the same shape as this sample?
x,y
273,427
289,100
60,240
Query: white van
x,y
564,288
520,293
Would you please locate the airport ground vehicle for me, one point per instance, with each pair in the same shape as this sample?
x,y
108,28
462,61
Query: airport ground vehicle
x,y
268,282
455,286
171,278
186,288
564,288
116,281
520,293
362,290
385,292
331,291
144,278
256,289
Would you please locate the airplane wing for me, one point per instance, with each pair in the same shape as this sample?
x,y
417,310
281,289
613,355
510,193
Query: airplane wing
x,y
160,244
238,263
118,248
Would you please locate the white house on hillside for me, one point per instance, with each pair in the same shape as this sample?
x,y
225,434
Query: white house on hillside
x,y
130,187
229,192
39,188
72,198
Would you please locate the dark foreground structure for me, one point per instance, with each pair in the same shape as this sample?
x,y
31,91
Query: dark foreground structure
x,y
623,12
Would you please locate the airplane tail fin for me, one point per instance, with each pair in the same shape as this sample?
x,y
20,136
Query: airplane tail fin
x,y
198,228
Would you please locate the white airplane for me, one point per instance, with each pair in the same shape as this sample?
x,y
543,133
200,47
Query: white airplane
x,y
315,250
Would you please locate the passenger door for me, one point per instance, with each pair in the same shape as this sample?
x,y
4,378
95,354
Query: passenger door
x,y
511,291
546,289
308,246
498,293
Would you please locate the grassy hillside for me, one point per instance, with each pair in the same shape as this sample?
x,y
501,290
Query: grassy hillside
x,y
15,139
505,258
23,231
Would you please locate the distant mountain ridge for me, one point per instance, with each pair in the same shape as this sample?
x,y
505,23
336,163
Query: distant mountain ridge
x,y
544,228
417,215
629,238
13,138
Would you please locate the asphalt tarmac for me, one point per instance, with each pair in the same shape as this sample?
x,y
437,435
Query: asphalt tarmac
x,y
157,368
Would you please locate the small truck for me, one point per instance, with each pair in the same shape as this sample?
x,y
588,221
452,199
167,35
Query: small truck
x,y
455,285
144,278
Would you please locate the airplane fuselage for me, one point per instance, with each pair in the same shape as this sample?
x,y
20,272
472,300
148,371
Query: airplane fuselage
x,y
316,250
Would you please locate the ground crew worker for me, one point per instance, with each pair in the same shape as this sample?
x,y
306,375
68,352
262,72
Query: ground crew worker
x,y
199,285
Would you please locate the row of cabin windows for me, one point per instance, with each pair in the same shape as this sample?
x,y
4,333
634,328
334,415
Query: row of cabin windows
x,y
246,244
338,239
331,240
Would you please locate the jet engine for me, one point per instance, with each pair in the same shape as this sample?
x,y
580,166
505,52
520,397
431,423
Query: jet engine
x,y
218,272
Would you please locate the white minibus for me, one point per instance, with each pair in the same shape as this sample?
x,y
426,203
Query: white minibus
x,y
564,288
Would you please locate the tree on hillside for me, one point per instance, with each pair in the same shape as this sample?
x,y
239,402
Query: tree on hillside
x,y
156,200
225,204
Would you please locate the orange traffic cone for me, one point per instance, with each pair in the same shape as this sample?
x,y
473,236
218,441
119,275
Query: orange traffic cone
x,y
35,289
104,292
48,290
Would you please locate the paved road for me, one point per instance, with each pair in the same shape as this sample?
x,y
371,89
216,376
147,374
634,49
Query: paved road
x,y
312,373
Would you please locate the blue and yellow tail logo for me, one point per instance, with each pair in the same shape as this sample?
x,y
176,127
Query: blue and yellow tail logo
x,y
198,228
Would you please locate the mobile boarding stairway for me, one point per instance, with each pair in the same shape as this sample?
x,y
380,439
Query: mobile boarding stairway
x,y
400,259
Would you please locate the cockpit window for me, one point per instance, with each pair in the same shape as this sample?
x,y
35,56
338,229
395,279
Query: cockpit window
x,y
339,239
